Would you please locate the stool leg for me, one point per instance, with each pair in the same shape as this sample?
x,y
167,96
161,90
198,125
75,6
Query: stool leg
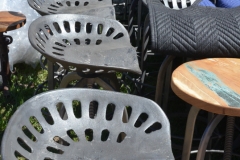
x,y
139,34
189,132
160,79
167,87
4,68
229,138
50,75
206,136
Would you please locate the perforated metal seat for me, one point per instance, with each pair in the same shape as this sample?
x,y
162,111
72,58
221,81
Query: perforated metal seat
x,y
100,8
91,44
33,135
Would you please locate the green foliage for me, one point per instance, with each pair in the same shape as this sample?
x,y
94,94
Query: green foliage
x,y
24,81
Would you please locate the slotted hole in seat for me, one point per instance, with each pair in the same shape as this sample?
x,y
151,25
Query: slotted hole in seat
x,y
89,27
141,119
60,44
76,3
42,33
72,68
54,6
47,158
28,133
59,49
62,111
35,123
52,9
66,26
40,45
77,41
48,29
99,28
19,155
86,3
93,107
71,133
87,41
121,137
77,108
68,3
111,71
59,3
57,27
99,41
86,70
66,41
154,127
104,135
59,54
77,27
40,39
99,71
36,4
47,115
54,150
61,141
110,31
119,35
24,145
89,134
127,111
110,111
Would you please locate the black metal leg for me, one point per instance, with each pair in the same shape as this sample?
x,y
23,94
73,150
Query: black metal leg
x,y
5,70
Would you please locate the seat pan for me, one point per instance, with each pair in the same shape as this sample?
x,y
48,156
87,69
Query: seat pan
x,y
136,145
84,42
102,8
11,20
210,84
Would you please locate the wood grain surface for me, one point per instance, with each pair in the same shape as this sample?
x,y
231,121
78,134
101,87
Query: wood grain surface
x,y
211,84
11,20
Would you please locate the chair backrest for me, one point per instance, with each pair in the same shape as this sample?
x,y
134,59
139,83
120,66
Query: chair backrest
x,y
177,4
84,41
100,8
37,131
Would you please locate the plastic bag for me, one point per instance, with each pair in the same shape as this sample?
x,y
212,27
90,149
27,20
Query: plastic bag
x,y
21,50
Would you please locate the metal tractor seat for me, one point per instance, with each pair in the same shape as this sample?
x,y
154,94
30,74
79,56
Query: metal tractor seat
x,y
100,8
32,135
90,44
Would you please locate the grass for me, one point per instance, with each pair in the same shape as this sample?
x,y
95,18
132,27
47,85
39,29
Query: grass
x,y
24,81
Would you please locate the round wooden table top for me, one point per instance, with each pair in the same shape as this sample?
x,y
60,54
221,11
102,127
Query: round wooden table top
x,y
11,20
211,84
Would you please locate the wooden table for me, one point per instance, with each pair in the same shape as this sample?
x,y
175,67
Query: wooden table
x,y
11,20
210,84
8,21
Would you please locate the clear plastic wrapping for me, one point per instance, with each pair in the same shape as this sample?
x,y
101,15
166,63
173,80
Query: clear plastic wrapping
x,y
21,50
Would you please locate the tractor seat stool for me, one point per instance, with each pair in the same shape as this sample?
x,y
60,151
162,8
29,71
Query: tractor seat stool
x,y
8,21
91,45
82,137
212,85
100,8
